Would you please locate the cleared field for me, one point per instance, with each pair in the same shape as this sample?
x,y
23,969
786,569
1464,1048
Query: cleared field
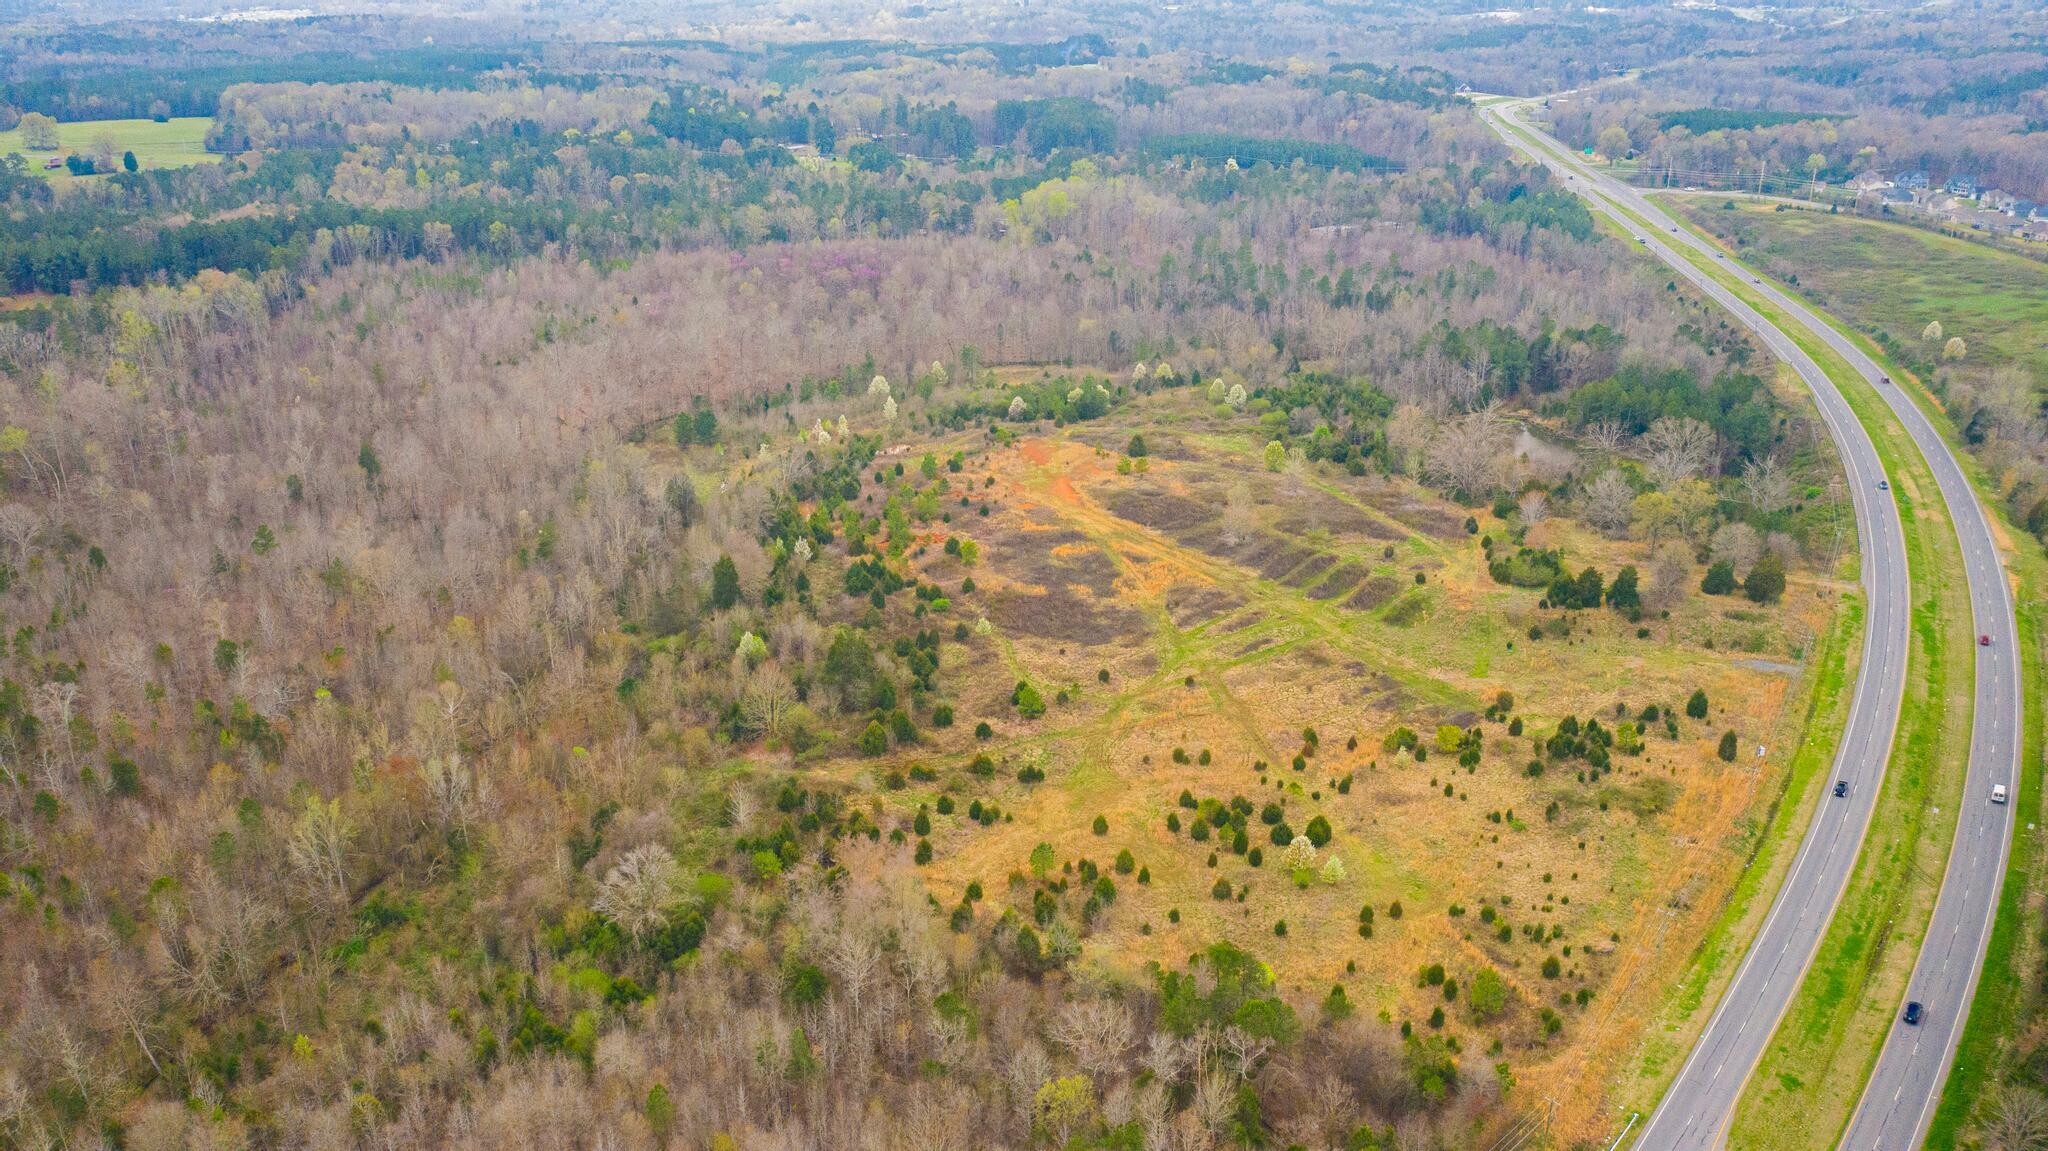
x,y
177,143
1189,624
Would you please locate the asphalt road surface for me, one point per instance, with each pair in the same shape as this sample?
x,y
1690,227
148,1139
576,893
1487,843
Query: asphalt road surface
x,y
1899,1100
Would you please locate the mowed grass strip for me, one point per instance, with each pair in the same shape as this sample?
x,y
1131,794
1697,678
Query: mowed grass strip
x,y
1979,297
179,142
2009,995
1805,1087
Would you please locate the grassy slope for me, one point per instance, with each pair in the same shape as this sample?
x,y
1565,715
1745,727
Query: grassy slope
x,y
179,143
2008,999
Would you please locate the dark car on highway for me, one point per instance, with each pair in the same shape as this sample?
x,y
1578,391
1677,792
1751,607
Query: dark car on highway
x,y
1913,1013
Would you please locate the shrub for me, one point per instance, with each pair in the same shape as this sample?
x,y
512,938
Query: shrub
x,y
923,823
1622,594
1766,581
1280,929
1394,910
1551,967
983,731
1027,701
1727,749
942,715
924,851
1101,826
1488,996
1696,707
1318,831
1720,579
874,741
1256,856
1221,889
1173,822
1282,834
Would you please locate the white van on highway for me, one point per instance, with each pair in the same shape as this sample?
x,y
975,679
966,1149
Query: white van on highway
x,y
1998,793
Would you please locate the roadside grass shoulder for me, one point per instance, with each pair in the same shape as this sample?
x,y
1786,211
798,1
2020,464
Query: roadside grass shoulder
x,y
1810,1077
2010,997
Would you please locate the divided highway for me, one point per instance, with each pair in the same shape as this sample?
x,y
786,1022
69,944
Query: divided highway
x,y
1899,1100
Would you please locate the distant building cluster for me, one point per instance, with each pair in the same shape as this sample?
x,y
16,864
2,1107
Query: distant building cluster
x,y
1960,200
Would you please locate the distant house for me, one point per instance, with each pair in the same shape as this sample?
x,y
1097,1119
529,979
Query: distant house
x,y
1961,184
1996,199
52,163
1895,195
1911,181
1870,182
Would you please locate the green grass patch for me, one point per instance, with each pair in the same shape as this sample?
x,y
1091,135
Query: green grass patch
x,y
177,143
1891,279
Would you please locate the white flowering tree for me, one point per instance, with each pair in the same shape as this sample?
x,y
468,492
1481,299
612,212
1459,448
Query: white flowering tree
x,y
752,649
878,388
1236,397
889,409
1301,860
1017,408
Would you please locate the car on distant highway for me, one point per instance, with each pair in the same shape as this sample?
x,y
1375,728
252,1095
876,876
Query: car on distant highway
x,y
1884,485
1841,788
1998,793
1983,641
1913,1013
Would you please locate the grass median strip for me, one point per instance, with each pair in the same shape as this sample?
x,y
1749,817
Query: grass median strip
x,y
1810,1077
2009,996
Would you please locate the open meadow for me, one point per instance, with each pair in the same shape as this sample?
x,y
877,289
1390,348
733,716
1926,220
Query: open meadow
x,y
179,142
1520,819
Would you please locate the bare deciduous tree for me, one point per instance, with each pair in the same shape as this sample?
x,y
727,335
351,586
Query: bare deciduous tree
x,y
639,890
1678,448
1765,485
1608,503
1738,544
2015,1119
1097,1032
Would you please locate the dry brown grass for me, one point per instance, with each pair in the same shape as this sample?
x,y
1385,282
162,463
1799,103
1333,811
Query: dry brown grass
x,y
1085,569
